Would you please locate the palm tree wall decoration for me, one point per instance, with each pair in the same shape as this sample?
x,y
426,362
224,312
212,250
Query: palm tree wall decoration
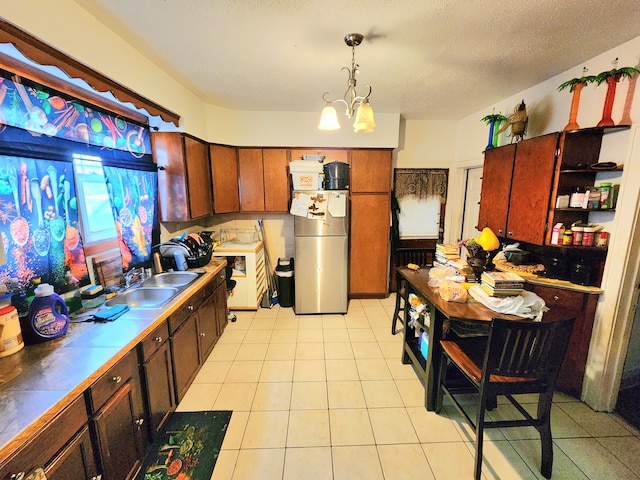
x,y
576,85
612,77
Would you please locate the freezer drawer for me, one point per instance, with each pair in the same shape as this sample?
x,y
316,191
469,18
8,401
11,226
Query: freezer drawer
x,y
321,280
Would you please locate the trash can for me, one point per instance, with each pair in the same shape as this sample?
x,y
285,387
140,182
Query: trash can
x,y
284,272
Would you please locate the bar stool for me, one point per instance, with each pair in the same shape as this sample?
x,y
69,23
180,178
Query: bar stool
x,y
398,313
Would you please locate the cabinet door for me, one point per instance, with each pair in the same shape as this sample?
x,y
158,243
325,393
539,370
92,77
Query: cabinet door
x,y
251,170
160,394
533,175
369,250
370,171
496,188
184,352
118,431
76,460
224,175
168,153
198,178
276,180
222,319
207,327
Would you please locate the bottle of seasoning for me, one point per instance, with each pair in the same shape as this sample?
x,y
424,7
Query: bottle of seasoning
x,y
605,195
577,198
567,238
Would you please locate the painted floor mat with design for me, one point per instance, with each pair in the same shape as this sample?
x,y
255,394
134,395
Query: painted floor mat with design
x,y
188,447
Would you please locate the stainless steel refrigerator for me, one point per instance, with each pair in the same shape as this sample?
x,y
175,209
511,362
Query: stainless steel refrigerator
x,y
322,253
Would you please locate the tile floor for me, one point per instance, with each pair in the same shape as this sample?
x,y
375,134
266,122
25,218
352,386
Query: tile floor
x,y
326,397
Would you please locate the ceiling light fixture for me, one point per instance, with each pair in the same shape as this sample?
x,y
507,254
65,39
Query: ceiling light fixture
x,y
364,121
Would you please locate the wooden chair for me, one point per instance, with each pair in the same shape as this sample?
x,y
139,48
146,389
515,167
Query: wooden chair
x,y
517,357
402,256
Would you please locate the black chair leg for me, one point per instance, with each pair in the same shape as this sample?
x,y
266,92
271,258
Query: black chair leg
x,y
398,308
396,312
477,471
546,441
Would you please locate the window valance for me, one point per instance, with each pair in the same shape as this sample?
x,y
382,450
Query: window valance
x,y
422,183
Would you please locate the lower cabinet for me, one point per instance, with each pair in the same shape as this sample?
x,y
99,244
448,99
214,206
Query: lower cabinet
x,y
117,419
185,355
157,378
566,303
63,449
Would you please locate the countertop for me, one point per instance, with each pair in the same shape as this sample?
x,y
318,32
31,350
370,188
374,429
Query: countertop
x,y
39,381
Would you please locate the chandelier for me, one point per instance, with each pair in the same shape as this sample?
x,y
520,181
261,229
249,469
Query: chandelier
x,y
364,115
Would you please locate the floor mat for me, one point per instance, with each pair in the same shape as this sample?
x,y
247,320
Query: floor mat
x,y
188,447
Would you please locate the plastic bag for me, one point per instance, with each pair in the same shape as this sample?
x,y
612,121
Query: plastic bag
x,y
528,305
437,275
452,292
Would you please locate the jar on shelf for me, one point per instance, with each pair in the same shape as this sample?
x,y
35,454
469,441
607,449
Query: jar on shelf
x,y
605,195
567,238
577,198
588,236
577,235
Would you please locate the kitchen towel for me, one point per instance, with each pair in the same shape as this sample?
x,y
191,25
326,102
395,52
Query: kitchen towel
x,y
111,313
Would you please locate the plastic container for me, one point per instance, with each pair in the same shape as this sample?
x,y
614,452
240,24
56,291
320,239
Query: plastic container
x,y
577,198
181,261
286,286
11,340
48,316
305,175
588,236
577,235
593,201
567,238
336,176
605,195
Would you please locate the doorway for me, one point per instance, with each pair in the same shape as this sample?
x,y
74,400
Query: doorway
x,y
627,404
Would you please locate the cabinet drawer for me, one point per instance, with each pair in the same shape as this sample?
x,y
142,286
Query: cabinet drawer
x,y
219,280
560,299
111,381
186,309
154,341
49,441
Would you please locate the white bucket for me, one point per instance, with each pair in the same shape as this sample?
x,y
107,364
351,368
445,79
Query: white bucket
x,y
10,332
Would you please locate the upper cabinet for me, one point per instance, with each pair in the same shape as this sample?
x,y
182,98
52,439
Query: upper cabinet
x,y
330,154
184,177
264,180
370,171
224,177
516,188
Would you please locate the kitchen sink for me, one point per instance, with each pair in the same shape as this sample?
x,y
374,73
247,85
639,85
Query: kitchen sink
x,y
144,297
170,279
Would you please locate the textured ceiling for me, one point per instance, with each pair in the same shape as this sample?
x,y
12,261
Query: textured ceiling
x,y
428,59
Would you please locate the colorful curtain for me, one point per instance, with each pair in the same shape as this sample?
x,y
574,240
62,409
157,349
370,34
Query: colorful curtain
x,y
44,111
133,195
39,222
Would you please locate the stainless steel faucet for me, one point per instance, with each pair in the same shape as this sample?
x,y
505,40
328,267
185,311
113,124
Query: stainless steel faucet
x,y
133,273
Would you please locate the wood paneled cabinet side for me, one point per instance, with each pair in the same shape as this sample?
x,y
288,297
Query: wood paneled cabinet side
x,y
370,171
250,172
184,177
496,188
224,178
369,247
276,179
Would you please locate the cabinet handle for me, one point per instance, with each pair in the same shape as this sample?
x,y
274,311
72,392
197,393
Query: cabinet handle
x,y
556,298
158,339
500,230
190,308
139,422
117,379
510,234
97,477
202,334
17,476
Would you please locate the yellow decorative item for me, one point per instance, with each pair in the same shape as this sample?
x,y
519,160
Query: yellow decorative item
x,y
488,240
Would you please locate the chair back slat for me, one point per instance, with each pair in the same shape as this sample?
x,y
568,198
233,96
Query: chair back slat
x,y
526,348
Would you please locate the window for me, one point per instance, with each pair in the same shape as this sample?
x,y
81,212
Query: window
x,y
94,207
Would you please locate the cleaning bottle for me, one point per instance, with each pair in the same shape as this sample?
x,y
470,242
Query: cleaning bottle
x,y
48,316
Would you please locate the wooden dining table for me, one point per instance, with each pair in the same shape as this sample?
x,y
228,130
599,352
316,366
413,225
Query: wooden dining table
x,y
470,318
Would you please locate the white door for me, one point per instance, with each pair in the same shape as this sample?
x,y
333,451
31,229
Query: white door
x,y
472,203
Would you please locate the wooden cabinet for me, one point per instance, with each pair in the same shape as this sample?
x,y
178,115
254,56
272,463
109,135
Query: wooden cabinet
x,y
157,378
264,180
251,280
63,448
207,326
117,421
224,178
369,249
529,190
370,188
220,294
184,177
330,154
564,303
370,171
185,355
496,188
